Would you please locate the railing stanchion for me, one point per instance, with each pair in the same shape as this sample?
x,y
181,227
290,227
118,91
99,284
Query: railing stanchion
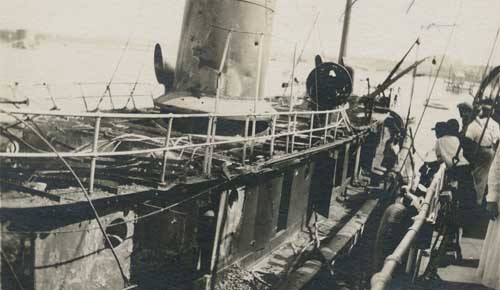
x,y
132,97
311,127
245,134
212,140
273,132
294,130
110,97
83,97
287,133
14,96
151,95
54,103
207,143
345,165
356,163
254,128
165,151
326,126
336,125
94,151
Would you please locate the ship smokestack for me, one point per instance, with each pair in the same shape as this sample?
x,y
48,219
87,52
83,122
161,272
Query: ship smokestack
x,y
223,57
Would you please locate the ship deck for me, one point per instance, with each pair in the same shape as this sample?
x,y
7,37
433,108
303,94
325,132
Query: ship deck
x,y
455,274
458,275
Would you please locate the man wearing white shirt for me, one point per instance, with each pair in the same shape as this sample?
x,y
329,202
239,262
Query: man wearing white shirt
x,y
458,169
447,146
483,150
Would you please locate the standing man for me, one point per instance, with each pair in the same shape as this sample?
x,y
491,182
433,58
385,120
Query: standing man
x,y
478,148
458,169
492,132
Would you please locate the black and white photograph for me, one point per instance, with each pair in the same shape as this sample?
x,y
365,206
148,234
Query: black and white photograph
x,y
249,145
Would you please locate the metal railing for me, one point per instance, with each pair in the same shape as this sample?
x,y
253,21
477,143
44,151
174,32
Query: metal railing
x,y
429,206
325,132
118,95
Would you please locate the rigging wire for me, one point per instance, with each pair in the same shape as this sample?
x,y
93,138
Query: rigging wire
x,y
297,60
82,187
12,270
318,32
131,96
412,90
120,59
307,38
410,6
436,76
434,82
493,46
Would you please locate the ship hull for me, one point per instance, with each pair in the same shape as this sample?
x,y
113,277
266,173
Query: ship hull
x,y
187,235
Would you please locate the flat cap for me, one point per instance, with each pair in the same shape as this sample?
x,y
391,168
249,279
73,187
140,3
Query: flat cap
x,y
465,105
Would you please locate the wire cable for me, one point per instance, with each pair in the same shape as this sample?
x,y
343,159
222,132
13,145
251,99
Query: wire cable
x,y
11,268
433,83
124,50
493,46
436,76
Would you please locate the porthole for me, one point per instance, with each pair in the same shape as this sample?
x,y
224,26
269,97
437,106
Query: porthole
x,y
117,232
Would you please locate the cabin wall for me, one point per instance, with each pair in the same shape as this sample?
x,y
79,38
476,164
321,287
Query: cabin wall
x,y
167,244
261,215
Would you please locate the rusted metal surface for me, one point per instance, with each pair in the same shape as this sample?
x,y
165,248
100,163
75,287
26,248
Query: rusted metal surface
x,y
223,55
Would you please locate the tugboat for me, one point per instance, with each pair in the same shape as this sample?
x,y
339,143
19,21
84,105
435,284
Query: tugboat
x,y
213,188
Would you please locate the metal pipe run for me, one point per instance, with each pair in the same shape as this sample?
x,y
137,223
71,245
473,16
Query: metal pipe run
x,y
381,279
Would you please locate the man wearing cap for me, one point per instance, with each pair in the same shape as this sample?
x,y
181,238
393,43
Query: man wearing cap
x,y
466,111
447,145
492,132
458,168
481,151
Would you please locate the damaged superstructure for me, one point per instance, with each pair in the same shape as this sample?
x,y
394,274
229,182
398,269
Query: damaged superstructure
x,y
214,182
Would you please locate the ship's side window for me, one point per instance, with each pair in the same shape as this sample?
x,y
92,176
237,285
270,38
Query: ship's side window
x,y
117,232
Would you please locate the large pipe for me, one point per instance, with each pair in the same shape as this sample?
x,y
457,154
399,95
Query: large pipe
x,y
205,29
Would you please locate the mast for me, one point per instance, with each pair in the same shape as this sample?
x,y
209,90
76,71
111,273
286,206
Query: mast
x,y
345,31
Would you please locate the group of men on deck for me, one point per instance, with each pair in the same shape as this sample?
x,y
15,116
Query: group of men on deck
x,y
472,160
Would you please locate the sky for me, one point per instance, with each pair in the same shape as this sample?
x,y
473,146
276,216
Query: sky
x,y
379,28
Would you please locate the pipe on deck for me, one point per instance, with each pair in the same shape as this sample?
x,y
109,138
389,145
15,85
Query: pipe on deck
x,y
381,279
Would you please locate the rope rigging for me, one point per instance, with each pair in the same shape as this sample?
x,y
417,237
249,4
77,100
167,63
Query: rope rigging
x,y
414,77
433,83
120,59
493,47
